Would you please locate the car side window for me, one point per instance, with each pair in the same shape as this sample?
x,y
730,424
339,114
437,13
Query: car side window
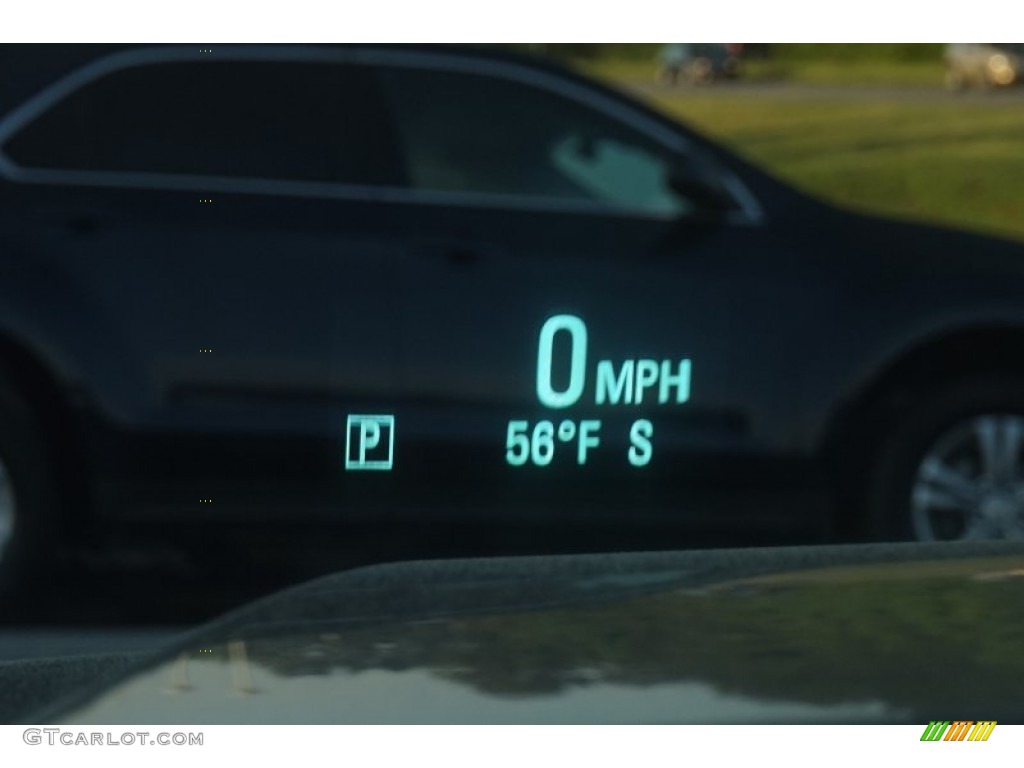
x,y
280,120
463,132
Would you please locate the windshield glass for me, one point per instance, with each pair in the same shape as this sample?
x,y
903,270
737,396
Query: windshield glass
x,y
277,313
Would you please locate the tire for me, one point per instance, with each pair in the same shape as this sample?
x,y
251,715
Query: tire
x,y
943,471
27,496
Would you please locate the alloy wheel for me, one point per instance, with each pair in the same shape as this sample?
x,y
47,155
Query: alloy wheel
x,y
970,483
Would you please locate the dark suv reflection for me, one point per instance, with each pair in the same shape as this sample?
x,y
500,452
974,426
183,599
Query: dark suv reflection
x,y
375,285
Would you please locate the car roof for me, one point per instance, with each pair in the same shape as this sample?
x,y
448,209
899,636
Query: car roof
x,y
29,68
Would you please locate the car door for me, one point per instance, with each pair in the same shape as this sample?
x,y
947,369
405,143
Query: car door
x,y
579,340
209,221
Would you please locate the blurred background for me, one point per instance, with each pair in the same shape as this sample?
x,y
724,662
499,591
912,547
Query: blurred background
x,y
924,131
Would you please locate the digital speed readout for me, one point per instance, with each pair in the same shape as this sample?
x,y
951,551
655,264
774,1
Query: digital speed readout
x,y
631,382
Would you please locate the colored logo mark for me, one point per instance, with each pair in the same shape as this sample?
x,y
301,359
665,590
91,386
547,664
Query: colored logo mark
x,y
369,442
958,730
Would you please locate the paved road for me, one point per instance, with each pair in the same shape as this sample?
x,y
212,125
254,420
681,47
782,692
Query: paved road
x,y
783,91
106,610
56,642
136,602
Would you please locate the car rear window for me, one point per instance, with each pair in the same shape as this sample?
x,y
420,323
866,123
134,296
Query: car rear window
x,y
303,121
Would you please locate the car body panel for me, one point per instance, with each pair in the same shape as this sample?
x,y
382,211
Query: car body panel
x,y
845,635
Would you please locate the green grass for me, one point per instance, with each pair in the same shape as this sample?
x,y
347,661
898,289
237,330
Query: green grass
x,y
913,153
942,160
924,73
617,70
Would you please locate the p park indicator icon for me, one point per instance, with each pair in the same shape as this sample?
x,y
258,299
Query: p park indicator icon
x,y
369,442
